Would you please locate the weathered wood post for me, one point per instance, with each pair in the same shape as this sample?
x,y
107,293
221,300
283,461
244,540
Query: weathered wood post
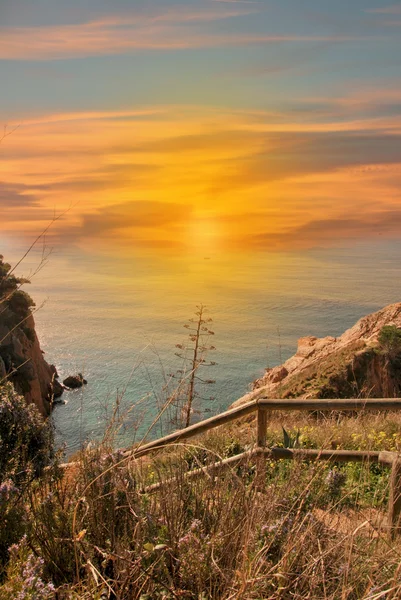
x,y
262,427
261,445
394,507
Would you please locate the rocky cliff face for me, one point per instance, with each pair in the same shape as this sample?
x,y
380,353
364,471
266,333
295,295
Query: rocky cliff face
x,y
21,359
349,366
22,363
352,365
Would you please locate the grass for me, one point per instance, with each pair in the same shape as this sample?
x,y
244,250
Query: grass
x,y
313,530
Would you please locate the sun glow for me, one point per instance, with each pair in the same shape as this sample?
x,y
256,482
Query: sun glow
x,y
204,235
181,181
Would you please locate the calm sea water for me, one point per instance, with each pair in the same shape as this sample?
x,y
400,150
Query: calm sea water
x,y
117,320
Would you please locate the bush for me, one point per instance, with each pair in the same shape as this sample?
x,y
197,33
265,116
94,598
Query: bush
x,y
20,303
26,447
390,339
24,576
12,518
26,441
8,283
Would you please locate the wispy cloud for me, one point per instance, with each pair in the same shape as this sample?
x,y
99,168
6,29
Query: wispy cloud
x,y
113,35
327,232
94,115
388,15
394,9
18,195
258,178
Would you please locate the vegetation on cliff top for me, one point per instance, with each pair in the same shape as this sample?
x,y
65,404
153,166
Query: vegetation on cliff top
x,y
11,296
15,308
355,371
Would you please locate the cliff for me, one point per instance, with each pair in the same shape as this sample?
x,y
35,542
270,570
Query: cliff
x,y
354,364
21,358
359,363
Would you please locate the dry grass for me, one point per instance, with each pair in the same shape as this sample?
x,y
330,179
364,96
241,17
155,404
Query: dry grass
x,y
311,531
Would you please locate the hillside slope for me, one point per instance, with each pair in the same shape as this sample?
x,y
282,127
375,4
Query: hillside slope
x,y
349,366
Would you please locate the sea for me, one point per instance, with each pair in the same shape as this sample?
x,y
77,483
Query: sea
x,y
117,319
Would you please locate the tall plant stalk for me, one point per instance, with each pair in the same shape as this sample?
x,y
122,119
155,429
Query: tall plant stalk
x,y
194,357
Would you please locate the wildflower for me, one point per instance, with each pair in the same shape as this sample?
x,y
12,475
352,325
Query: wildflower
x,y
25,575
195,525
7,491
335,480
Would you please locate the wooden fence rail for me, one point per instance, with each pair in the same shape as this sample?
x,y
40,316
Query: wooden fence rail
x,y
262,406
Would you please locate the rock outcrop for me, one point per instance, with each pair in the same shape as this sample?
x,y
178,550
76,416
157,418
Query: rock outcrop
x,y
352,365
348,366
21,358
74,381
23,363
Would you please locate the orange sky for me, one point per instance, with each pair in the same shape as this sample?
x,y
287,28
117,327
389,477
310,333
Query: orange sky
x,y
203,178
201,125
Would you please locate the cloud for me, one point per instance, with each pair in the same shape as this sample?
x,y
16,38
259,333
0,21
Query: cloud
x,y
258,178
107,177
388,11
94,115
114,35
30,219
394,9
251,158
332,231
218,140
370,96
20,205
296,59
16,195
139,214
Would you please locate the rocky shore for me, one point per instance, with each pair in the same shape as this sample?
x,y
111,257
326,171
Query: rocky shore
x,y
352,365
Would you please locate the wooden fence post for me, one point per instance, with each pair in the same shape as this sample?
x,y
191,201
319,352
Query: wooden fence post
x,y
261,445
262,428
394,507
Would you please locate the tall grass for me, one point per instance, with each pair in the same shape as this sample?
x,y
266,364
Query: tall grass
x,y
98,529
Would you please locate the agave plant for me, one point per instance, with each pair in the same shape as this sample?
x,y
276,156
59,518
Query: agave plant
x,y
290,441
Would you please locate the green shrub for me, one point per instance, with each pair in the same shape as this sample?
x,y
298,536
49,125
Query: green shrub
x,y
8,282
20,303
390,339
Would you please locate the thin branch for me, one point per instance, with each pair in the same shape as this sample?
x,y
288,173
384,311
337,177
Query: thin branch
x,y
41,235
7,133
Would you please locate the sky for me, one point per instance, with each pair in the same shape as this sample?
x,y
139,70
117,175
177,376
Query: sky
x,y
200,125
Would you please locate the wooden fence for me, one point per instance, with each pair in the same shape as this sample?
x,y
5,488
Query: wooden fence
x,y
262,406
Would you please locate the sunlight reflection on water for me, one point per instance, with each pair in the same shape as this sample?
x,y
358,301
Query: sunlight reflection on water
x,y
118,320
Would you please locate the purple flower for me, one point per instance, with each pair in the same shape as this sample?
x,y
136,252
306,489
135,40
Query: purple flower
x,y
27,583
7,491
